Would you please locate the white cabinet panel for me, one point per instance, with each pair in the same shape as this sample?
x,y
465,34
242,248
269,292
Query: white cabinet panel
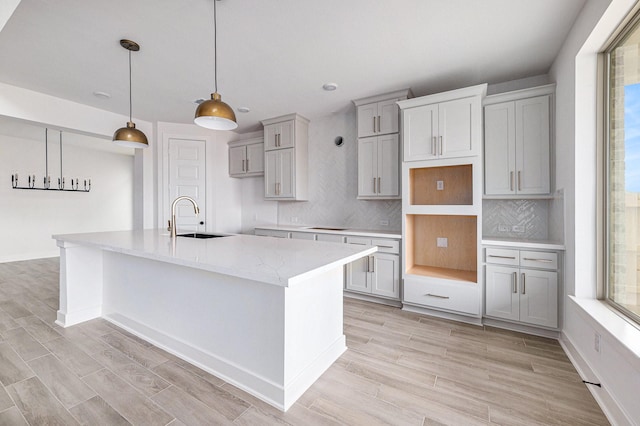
x,y
245,158
388,166
237,160
367,120
532,145
455,127
386,275
420,132
388,114
501,289
255,158
367,167
357,277
539,297
499,153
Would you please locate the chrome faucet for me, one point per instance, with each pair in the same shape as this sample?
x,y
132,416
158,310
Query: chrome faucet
x,y
172,222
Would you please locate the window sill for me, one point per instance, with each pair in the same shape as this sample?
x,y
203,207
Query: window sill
x,y
607,321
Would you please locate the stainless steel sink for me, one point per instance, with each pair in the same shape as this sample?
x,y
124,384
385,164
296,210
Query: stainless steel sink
x,y
201,236
329,229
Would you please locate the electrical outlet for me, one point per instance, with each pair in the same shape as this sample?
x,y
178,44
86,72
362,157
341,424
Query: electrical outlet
x,y
442,242
503,228
596,342
440,185
517,228
294,219
384,222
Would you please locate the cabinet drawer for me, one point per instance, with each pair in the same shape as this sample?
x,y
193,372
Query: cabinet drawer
x,y
387,246
303,236
331,238
539,259
502,256
272,233
449,296
359,241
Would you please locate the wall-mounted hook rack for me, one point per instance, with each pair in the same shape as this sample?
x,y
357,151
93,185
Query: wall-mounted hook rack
x,y
31,179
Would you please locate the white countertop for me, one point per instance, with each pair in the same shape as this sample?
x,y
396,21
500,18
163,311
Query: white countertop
x,y
283,262
337,231
533,244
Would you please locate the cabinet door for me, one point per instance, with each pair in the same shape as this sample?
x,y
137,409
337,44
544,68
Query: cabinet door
x,y
501,292
532,145
271,173
271,136
367,120
287,173
286,138
499,149
357,275
455,127
367,167
388,166
420,129
539,297
255,158
385,275
237,164
388,117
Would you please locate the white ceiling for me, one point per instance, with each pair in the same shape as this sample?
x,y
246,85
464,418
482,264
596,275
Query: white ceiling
x,y
274,56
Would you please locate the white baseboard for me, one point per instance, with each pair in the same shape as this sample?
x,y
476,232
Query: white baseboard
x,y
373,299
441,314
607,403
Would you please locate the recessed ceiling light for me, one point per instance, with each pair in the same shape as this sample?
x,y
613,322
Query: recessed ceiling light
x,y
101,95
243,109
198,101
330,87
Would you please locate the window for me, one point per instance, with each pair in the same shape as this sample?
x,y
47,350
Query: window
x,y
622,172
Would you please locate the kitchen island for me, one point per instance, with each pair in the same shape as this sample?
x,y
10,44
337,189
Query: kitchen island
x,y
264,314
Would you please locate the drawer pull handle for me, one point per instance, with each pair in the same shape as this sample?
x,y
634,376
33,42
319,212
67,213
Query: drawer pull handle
x,y
522,279
538,260
514,279
385,246
437,296
502,257
357,244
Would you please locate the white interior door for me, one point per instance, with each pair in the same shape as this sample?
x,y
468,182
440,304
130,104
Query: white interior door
x,y
187,176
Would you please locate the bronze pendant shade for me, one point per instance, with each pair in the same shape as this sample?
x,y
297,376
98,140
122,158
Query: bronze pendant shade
x,y
215,114
129,136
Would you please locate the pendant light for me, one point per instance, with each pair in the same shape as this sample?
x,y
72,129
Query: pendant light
x,y
130,136
213,113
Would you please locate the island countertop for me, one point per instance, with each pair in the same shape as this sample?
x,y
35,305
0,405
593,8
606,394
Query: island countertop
x,y
277,261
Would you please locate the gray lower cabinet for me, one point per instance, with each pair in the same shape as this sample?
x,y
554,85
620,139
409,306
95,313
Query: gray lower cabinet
x,y
377,275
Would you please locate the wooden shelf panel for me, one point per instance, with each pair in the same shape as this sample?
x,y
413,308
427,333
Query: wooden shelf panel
x,y
444,273
457,185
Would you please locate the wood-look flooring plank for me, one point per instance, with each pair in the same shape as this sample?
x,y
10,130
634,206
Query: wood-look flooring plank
x,y
5,400
14,309
125,399
142,379
213,396
72,357
12,368
38,405
82,339
137,352
12,417
7,322
188,409
96,411
26,346
38,329
64,384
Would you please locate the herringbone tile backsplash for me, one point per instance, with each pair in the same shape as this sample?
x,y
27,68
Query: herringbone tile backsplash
x,y
333,183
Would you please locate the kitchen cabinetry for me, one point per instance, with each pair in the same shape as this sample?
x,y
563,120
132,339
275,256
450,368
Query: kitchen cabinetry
x,y
518,136
246,157
285,158
378,146
375,277
378,167
446,125
377,274
522,286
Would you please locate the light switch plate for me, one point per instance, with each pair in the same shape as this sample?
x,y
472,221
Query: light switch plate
x,y
440,185
442,242
503,228
517,228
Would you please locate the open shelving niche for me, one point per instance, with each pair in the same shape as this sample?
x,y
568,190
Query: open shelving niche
x,y
443,199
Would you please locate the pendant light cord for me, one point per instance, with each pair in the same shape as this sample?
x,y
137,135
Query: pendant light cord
x,y
130,102
215,48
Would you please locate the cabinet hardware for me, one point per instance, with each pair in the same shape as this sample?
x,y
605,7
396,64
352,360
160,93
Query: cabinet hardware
x,y
247,163
374,124
502,257
385,246
358,244
440,145
514,279
523,284
374,185
519,181
511,181
243,166
378,124
379,191
437,296
368,267
433,146
537,260
373,264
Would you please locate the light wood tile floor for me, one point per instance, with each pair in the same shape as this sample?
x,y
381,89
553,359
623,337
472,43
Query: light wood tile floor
x,y
400,369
